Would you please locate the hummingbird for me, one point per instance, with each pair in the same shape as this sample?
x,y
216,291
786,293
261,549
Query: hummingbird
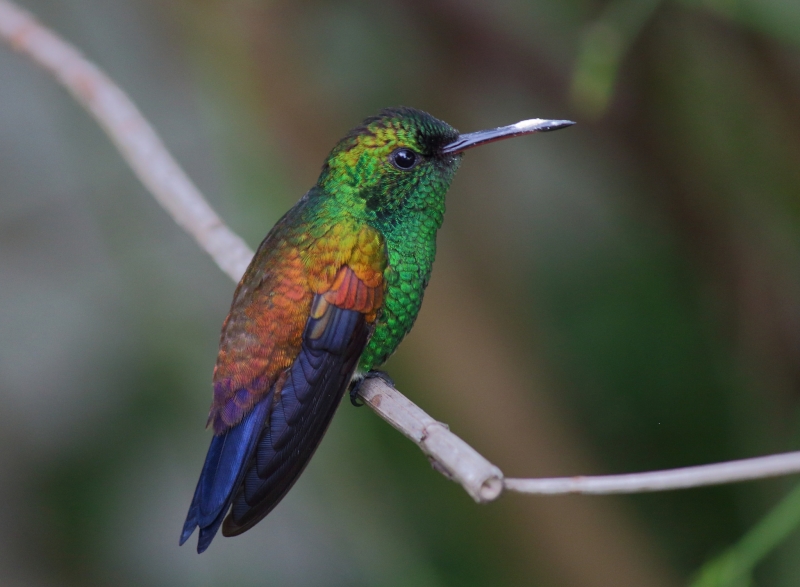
x,y
330,293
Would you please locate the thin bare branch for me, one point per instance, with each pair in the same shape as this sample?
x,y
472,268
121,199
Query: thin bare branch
x,y
136,140
145,153
449,455
683,478
484,481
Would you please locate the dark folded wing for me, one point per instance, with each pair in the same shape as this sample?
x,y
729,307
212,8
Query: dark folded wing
x,y
301,412
251,465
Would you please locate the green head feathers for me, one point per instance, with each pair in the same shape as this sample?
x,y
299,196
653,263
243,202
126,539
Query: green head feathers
x,y
392,164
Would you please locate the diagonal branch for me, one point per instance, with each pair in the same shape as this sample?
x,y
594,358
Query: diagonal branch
x,y
143,150
136,140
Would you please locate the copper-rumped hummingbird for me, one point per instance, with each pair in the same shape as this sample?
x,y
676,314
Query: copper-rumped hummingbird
x,y
330,293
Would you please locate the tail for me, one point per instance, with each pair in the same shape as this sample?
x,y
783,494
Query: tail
x,y
222,474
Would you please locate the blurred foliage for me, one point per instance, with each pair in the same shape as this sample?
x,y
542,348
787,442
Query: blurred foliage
x,y
619,296
735,566
605,44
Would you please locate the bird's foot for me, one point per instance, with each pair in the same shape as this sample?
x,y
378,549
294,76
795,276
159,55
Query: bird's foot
x,y
354,389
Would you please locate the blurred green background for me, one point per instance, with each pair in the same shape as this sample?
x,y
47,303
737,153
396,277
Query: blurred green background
x,y
615,297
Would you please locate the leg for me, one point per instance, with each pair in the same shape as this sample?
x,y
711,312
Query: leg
x,y
355,386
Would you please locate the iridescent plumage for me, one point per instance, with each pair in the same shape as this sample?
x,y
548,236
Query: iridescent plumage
x,y
332,290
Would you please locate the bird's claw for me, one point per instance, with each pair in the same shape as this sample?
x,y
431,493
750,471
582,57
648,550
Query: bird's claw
x,y
354,390
354,399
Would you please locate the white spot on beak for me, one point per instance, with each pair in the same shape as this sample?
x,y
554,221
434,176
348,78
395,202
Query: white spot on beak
x,y
524,125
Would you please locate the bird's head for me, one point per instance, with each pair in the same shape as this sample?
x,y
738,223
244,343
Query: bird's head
x,y
403,160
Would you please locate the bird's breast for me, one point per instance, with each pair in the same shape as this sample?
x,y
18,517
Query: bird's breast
x,y
410,261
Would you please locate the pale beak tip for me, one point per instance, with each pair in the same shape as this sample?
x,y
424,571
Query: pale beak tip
x,y
541,125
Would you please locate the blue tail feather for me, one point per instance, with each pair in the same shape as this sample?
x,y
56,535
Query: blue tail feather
x,y
222,472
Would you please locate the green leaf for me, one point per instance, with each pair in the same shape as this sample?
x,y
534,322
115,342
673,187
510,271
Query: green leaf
x,y
734,567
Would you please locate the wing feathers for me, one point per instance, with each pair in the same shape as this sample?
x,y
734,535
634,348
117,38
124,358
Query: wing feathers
x,y
251,466
301,414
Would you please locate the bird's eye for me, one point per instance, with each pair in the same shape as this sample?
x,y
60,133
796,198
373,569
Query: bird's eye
x,y
403,159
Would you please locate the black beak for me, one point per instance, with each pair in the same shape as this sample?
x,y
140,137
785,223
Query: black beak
x,y
526,127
